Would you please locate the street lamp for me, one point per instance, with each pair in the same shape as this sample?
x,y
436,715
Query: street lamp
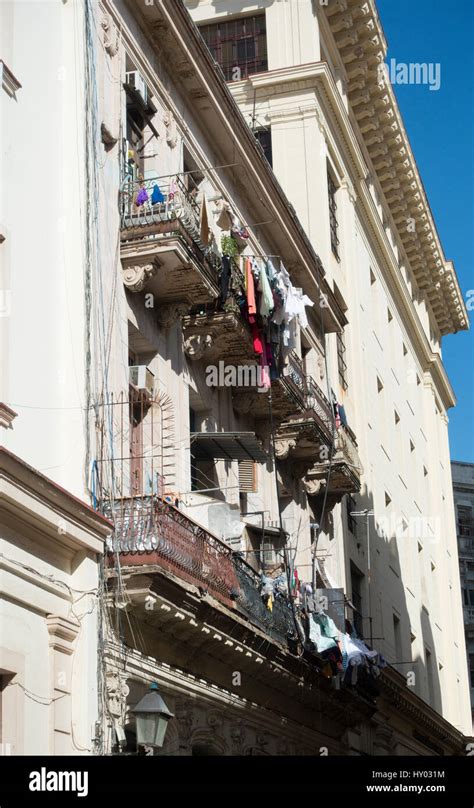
x,y
152,716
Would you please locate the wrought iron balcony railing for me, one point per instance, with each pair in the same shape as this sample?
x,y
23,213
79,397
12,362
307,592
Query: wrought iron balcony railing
x,y
150,208
307,395
152,201
346,446
150,531
277,623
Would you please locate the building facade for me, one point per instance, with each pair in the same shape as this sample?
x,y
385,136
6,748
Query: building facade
x,y
311,82
239,368
463,487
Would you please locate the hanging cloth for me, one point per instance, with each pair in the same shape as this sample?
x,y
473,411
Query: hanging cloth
x,y
142,197
264,375
257,339
204,230
224,215
156,195
172,189
266,302
225,278
250,287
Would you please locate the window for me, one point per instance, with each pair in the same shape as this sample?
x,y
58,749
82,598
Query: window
x,y
356,588
238,46
468,597
333,223
397,634
247,476
351,520
429,675
465,521
264,137
341,361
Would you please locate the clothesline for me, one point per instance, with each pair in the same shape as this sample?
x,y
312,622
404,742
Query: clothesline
x,y
191,171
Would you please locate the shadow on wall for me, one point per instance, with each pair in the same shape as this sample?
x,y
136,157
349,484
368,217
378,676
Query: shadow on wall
x,y
374,578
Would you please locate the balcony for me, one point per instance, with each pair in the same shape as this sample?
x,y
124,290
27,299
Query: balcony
x,y
290,398
345,469
150,533
216,335
160,549
304,433
161,250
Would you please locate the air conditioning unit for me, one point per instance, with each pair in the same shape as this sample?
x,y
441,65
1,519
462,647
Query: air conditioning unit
x,y
142,379
135,79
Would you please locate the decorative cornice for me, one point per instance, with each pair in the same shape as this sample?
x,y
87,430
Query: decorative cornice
x,y
62,633
395,691
376,111
28,495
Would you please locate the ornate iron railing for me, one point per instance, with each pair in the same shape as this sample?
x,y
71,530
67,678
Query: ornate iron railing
x,y
317,402
151,201
278,622
148,202
150,531
294,380
307,394
346,446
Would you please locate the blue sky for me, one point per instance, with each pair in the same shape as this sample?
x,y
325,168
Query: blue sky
x,y
440,125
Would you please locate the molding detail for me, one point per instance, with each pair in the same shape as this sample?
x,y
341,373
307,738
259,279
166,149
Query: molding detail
x,y
111,34
170,314
9,82
7,416
171,130
283,447
196,346
62,633
136,276
117,692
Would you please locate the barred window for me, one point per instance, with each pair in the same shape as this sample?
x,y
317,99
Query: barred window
x,y
264,137
333,223
238,46
341,361
351,520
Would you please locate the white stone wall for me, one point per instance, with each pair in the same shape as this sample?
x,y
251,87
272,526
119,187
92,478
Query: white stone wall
x,y
414,578
42,219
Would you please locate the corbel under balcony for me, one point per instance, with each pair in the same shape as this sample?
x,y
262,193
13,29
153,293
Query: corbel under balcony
x,y
301,439
216,335
345,470
170,270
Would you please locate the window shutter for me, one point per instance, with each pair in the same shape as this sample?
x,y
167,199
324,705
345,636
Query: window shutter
x,y
247,476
